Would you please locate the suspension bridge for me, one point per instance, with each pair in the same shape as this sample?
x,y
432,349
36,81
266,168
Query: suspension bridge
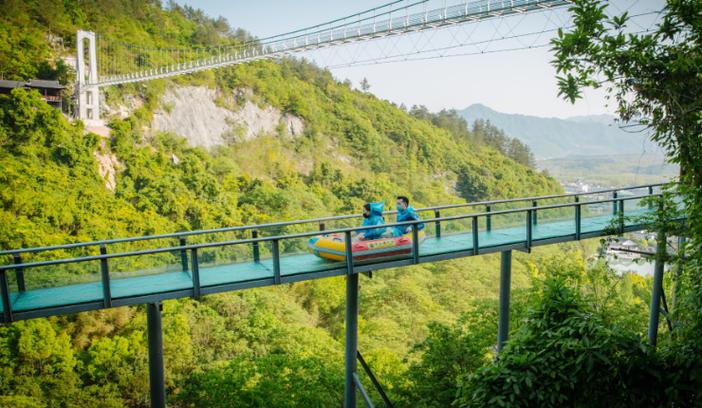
x,y
118,63
48,281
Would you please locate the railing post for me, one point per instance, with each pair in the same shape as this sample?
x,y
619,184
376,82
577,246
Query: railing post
x,y
505,282
19,273
534,204
615,195
196,272
528,230
156,372
474,231
348,254
657,289
650,193
488,218
6,302
415,244
276,261
351,338
620,215
183,254
437,224
322,226
578,220
255,245
105,273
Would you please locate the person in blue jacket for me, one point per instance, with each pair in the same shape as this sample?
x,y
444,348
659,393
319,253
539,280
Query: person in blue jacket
x,y
405,213
372,215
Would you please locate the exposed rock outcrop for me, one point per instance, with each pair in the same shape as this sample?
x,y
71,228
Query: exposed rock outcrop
x,y
107,165
191,112
127,105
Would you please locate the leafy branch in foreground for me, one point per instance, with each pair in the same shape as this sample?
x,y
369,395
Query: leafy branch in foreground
x,y
655,79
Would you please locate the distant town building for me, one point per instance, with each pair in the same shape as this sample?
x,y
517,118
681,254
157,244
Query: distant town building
x,y
629,244
50,90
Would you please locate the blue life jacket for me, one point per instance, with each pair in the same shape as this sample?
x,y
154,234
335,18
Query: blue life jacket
x,y
407,214
376,218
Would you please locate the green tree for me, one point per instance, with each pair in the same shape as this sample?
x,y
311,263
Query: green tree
x,y
471,184
448,352
365,85
274,380
566,355
655,79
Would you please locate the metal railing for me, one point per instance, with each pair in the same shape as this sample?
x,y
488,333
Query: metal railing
x,y
350,263
19,265
321,221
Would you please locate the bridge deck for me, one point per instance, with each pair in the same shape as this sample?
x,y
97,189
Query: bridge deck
x,y
218,278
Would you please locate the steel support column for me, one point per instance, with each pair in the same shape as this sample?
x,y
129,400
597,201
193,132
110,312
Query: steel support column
x,y
351,339
678,274
156,373
654,311
505,283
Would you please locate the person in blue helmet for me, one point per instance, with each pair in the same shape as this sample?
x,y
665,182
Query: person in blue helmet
x,y
405,213
372,215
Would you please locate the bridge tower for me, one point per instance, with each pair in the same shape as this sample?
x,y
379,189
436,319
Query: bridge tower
x,y
88,94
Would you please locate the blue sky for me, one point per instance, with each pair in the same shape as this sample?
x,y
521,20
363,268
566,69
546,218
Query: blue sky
x,y
520,81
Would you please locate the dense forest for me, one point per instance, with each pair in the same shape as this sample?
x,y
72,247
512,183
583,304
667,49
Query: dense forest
x,y
427,331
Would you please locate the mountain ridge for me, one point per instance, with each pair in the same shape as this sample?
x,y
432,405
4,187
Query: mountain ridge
x,y
550,138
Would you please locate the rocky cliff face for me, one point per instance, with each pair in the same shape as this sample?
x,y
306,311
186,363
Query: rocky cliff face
x,y
191,112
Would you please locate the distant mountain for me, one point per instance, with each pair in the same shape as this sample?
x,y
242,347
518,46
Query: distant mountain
x,y
604,119
552,137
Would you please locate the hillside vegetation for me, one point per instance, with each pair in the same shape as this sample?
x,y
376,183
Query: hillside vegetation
x,y
422,328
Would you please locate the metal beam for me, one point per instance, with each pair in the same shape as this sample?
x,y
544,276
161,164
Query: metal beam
x,y
505,283
656,291
364,394
374,380
156,372
632,251
351,339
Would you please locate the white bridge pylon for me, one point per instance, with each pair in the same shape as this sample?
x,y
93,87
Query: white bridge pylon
x,y
371,24
87,89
